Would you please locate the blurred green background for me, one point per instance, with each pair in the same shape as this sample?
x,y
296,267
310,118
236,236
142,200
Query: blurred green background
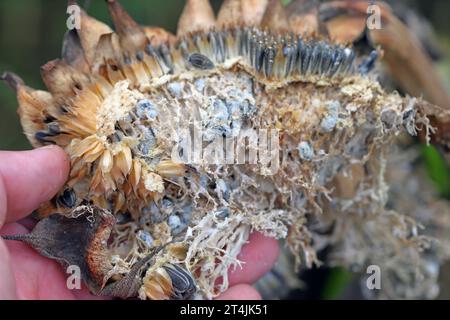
x,y
31,33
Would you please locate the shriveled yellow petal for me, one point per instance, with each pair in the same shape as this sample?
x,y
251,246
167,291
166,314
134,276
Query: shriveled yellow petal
x,y
135,175
119,202
106,162
154,291
168,168
164,280
108,183
96,180
94,153
79,147
124,160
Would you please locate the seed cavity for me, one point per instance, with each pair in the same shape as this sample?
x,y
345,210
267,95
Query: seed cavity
x,y
330,121
145,237
306,151
175,89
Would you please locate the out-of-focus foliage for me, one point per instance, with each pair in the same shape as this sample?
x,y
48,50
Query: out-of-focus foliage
x,y
437,169
337,280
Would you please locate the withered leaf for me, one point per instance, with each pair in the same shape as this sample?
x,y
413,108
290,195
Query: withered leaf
x,y
129,285
81,241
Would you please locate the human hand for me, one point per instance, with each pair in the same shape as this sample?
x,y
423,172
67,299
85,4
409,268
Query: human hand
x,y
29,178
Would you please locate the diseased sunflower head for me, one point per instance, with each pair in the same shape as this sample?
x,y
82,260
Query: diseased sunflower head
x,y
251,121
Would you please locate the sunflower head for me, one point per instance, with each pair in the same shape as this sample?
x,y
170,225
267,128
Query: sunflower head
x,y
124,103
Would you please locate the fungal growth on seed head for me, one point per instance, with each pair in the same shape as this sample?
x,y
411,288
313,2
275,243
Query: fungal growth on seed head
x,y
189,143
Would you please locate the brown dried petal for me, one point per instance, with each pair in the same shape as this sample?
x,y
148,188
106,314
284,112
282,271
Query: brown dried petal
x,y
131,34
303,16
230,13
197,15
73,53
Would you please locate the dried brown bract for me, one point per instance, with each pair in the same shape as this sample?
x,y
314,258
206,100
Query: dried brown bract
x,y
79,239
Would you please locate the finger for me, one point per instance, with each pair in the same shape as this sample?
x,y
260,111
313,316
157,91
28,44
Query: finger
x,y
7,283
240,292
259,256
36,276
30,178
3,204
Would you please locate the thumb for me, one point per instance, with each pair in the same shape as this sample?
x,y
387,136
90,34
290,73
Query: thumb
x,y
29,178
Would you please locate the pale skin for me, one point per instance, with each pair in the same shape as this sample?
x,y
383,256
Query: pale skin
x,y
27,179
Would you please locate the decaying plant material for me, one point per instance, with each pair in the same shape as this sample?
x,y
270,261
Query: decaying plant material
x,y
404,56
120,102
